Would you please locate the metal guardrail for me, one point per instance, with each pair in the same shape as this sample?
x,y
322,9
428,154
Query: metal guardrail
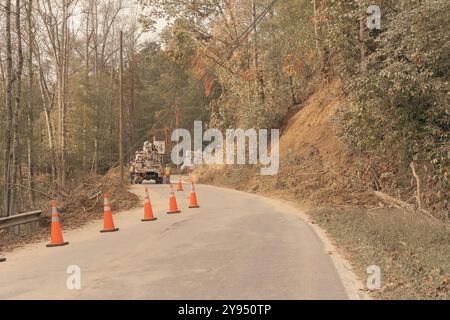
x,y
19,219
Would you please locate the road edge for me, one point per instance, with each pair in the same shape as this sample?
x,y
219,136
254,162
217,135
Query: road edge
x,y
351,282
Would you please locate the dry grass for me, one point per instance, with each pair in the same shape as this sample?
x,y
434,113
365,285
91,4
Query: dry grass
x,y
412,251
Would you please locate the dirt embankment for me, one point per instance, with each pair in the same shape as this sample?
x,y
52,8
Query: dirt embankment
x,y
317,171
77,207
315,167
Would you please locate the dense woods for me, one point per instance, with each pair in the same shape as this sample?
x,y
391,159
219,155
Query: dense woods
x,y
60,93
231,63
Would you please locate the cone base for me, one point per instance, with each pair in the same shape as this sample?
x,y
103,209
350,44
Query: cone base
x,y
148,220
175,212
194,207
108,231
57,245
2,259
180,190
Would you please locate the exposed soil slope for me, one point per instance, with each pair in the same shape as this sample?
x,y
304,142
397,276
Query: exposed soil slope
x,y
315,167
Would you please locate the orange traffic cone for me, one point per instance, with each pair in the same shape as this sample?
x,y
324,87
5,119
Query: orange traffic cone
x,y
180,184
108,223
173,206
56,237
194,203
148,210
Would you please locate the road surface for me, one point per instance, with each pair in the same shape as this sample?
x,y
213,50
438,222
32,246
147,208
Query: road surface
x,y
236,246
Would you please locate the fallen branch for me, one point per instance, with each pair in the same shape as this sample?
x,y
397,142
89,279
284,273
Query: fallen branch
x,y
394,202
400,204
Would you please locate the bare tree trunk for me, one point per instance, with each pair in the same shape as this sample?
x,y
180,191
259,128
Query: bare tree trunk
x,y
86,79
62,96
259,74
47,112
16,115
51,143
30,105
9,109
94,168
121,108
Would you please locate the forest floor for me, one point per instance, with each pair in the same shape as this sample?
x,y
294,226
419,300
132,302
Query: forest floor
x,y
335,189
77,207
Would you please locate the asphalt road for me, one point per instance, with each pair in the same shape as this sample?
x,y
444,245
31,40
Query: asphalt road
x,y
236,246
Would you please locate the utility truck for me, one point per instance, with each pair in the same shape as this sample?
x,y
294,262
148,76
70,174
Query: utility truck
x,y
148,164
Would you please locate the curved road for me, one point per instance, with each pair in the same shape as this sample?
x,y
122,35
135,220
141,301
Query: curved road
x,y
236,246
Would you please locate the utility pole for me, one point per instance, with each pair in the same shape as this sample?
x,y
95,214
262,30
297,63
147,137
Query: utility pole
x,y
121,110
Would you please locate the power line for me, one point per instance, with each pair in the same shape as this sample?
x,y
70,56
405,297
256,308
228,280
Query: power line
x,y
231,48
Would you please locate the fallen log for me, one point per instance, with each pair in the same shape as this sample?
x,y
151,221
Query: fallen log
x,y
400,204
394,201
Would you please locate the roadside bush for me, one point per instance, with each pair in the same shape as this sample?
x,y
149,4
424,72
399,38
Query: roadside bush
x,y
398,112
